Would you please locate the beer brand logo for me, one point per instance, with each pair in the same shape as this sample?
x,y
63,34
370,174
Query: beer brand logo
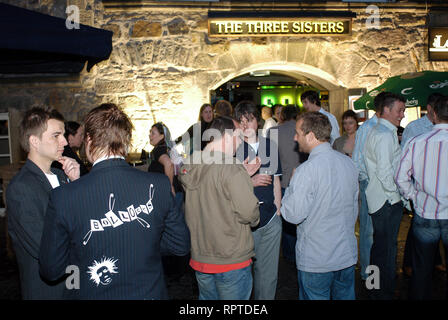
x,y
374,93
439,84
411,103
405,91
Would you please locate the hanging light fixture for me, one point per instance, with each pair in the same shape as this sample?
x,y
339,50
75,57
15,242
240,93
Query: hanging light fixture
x,y
260,73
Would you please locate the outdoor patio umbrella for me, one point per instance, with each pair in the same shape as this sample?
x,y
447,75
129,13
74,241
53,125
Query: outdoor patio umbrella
x,y
414,87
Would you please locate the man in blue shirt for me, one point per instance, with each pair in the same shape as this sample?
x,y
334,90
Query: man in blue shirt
x,y
322,198
267,188
423,124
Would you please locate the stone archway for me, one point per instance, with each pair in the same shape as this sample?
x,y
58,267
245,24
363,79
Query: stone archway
x,y
338,94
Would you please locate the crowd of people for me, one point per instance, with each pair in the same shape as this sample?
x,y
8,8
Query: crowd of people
x,y
255,182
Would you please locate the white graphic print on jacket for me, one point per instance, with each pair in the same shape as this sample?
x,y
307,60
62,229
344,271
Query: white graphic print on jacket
x,y
113,220
101,272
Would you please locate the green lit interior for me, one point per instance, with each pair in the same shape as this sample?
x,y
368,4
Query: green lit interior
x,y
271,95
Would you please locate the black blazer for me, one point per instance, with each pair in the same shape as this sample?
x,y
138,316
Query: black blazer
x,y
27,198
113,224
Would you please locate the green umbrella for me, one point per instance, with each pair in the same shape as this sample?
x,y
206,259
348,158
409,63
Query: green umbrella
x,y
414,87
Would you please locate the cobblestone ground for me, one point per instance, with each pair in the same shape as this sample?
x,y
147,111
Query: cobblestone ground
x,y
185,287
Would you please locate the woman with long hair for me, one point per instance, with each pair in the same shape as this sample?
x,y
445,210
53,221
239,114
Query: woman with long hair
x,y
163,157
190,142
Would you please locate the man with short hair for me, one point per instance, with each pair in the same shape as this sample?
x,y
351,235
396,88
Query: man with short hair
x,y
311,102
27,195
115,222
266,182
365,220
220,209
382,155
423,124
322,198
423,178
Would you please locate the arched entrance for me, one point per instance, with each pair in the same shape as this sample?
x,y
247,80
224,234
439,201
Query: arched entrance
x,y
337,93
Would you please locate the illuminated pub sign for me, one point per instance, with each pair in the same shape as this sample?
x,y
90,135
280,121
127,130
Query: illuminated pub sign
x,y
438,43
274,24
270,26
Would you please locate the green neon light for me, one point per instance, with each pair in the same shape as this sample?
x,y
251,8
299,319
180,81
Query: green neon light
x,y
288,97
268,100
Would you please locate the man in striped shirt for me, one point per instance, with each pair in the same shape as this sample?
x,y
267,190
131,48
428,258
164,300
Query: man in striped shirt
x,y
413,129
423,178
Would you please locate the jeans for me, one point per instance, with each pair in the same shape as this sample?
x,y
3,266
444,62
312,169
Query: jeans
x,y
386,223
365,230
267,252
426,234
334,285
230,285
176,266
408,249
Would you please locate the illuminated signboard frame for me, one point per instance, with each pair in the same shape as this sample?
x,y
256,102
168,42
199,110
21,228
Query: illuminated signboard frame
x,y
314,17
438,44
281,26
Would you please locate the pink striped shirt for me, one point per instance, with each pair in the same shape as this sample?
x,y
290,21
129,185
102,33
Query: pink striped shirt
x,y
422,175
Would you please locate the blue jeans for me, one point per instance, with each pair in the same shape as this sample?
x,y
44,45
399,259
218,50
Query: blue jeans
x,y
386,223
408,248
230,285
427,234
267,252
334,285
365,230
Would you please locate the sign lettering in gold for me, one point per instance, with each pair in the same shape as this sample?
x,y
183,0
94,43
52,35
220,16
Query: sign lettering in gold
x,y
264,27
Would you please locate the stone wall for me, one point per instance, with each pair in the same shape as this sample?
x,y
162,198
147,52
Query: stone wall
x,y
163,63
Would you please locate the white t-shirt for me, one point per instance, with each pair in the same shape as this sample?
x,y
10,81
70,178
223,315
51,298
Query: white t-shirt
x,y
269,123
53,179
106,158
